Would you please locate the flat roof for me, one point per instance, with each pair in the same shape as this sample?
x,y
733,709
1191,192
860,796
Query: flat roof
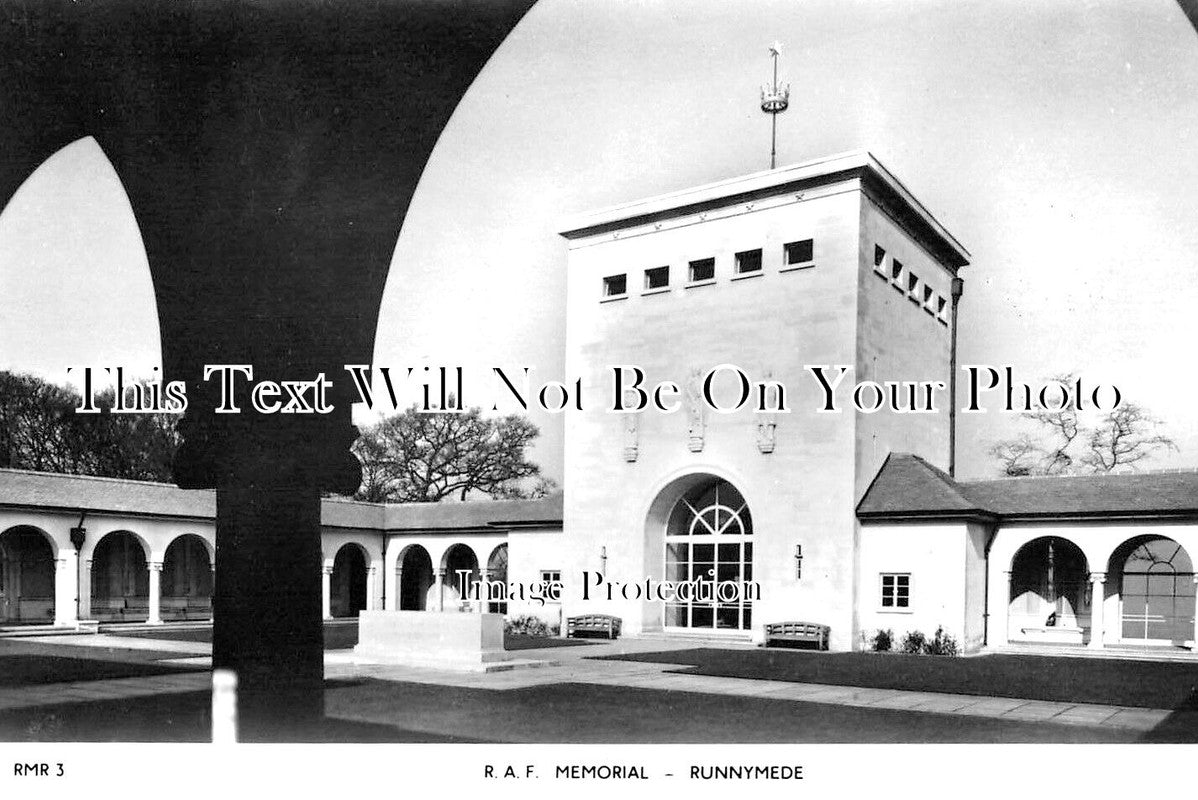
x,y
857,163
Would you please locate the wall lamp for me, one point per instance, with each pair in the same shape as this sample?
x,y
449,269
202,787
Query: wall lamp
x,y
603,558
79,533
798,561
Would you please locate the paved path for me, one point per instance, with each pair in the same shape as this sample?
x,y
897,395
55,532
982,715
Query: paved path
x,y
574,666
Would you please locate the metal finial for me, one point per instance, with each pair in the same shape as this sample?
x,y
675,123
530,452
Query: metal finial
x,y
774,100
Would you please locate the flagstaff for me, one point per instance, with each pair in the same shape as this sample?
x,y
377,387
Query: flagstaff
x,y
774,100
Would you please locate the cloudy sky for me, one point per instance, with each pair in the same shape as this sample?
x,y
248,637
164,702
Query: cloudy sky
x,y
1056,140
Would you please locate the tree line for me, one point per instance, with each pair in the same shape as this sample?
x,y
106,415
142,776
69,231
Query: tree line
x,y
408,457
419,457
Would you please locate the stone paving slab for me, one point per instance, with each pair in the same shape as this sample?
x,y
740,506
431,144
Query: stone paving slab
x,y
106,640
1036,711
991,706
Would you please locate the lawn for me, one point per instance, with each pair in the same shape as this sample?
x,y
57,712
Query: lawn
x,y
1148,684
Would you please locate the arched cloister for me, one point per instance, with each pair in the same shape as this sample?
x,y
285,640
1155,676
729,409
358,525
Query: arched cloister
x,y
1150,589
120,578
459,571
27,590
348,582
416,578
1049,596
497,574
187,573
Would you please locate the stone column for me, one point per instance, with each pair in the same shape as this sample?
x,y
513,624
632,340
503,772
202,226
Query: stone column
x,y
155,617
1097,607
85,589
66,587
439,586
392,596
371,573
484,575
326,592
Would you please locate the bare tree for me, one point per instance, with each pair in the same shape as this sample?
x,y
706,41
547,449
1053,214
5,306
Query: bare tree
x,y
1126,437
419,456
1063,446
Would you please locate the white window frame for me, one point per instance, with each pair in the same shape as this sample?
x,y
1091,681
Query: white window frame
x,y
895,608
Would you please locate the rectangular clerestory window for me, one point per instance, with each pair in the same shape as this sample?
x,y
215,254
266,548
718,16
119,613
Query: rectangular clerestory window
x,y
928,296
615,285
799,254
896,273
701,270
941,309
748,261
879,261
913,286
657,278
896,591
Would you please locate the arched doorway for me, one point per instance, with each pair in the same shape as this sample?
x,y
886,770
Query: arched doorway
x,y
1050,591
120,579
348,583
709,544
1156,588
415,578
461,572
187,579
26,576
497,574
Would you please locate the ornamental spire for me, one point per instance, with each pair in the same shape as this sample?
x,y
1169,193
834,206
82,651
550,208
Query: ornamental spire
x,y
774,100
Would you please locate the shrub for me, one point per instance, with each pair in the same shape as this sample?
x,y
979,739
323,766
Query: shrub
x,y
914,642
941,644
529,625
883,641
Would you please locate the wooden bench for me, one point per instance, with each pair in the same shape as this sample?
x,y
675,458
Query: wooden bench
x,y
798,633
593,624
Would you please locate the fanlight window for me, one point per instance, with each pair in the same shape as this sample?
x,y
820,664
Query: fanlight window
x,y
715,509
709,541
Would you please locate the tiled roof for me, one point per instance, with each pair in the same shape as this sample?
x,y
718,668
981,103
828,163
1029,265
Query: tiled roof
x,y
75,492
909,487
78,492
482,514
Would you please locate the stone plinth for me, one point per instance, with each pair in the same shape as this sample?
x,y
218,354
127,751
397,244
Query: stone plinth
x,y
439,640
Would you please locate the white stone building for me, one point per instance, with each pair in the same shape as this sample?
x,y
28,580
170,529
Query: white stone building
x,y
842,517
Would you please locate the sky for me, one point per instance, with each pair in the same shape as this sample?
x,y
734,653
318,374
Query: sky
x,y
1055,140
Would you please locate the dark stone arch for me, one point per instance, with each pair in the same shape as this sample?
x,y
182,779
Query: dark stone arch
x,y
269,153
415,578
348,582
460,563
120,578
1050,589
26,575
187,579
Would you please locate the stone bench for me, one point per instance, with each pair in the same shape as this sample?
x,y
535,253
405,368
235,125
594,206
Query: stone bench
x,y
798,633
604,624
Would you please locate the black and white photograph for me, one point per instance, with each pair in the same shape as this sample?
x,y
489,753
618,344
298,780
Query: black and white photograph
x,y
557,396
